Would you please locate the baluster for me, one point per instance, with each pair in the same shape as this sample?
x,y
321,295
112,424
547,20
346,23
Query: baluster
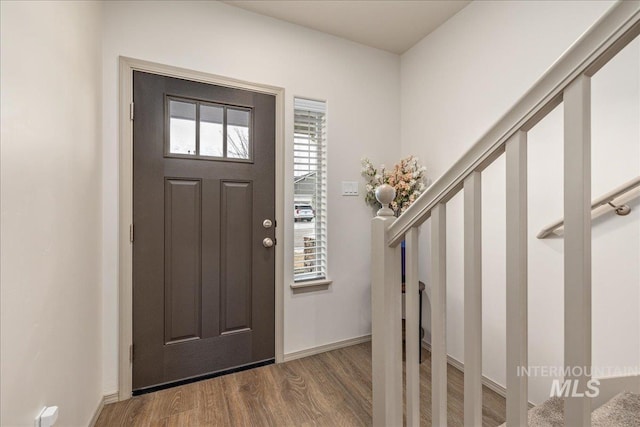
x,y
577,245
439,315
412,327
516,178
472,301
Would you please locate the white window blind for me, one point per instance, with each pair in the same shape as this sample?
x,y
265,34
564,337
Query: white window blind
x,y
310,189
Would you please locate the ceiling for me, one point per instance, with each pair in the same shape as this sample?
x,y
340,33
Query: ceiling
x,y
391,25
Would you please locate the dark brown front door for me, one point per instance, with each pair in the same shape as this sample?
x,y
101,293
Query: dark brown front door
x,y
203,183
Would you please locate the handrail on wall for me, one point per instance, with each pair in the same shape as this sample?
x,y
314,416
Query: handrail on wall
x,y
605,199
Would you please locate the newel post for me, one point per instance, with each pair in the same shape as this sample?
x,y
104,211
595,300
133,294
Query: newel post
x,y
386,317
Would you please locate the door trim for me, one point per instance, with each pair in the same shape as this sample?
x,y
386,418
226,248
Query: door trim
x,y
125,253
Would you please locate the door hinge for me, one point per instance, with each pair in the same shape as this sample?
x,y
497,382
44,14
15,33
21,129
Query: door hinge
x,y
131,233
131,111
131,353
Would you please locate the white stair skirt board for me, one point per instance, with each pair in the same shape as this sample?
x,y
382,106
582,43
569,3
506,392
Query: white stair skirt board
x,y
326,347
488,382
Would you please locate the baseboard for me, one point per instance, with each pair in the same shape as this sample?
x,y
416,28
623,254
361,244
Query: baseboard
x,y
488,382
326,347
106,399
111,398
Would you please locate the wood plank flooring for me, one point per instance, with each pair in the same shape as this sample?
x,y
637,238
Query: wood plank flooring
x,y
329,389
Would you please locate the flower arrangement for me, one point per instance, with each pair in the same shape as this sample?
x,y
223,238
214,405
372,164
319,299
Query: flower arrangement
x,y
407,177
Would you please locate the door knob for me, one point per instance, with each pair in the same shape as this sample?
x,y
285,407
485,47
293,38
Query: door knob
x,y
267,223
267,242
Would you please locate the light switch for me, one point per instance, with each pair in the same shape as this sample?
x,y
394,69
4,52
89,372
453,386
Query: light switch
x,y
349,188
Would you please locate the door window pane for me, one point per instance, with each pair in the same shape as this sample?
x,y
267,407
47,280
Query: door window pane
x,y
206,130
238,143
182,127
211,125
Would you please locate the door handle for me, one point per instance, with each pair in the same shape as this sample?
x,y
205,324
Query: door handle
x,y
267,242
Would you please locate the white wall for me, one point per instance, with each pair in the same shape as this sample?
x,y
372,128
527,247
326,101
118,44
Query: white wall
x,y
456,83
51,160
361,86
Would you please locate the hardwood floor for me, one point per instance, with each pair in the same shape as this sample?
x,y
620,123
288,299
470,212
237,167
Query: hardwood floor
x,y
329,389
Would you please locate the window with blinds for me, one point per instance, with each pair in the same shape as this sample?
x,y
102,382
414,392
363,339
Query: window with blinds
x,y
310,190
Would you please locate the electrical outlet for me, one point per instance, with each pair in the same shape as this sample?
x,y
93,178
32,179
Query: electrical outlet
x,y
47,417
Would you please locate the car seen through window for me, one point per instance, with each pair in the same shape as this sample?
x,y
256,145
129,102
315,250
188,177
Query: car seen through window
x,y
303,212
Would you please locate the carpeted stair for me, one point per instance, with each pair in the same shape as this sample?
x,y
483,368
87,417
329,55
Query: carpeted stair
x,y
621,411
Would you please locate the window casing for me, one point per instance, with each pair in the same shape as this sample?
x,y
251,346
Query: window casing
x,y
310,189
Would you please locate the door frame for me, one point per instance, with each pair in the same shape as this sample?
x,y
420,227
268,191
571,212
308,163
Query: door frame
x,y
125,248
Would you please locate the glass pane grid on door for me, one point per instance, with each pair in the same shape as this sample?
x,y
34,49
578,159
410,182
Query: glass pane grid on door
x,y
208,131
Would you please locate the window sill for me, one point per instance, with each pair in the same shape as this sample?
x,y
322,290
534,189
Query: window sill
x,y
311,284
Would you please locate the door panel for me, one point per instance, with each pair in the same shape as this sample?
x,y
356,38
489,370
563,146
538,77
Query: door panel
x,y
236,207
182,259
203,284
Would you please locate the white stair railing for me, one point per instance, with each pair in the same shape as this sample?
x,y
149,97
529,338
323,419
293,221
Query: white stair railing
x,y
568,81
